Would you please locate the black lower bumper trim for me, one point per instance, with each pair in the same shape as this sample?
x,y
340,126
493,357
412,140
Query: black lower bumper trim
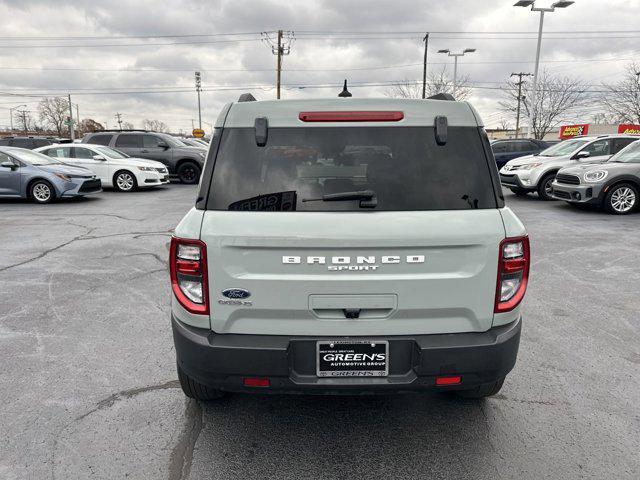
x,y
223,361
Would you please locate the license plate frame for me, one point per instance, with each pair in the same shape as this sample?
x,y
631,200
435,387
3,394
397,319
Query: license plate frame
x,y
353,347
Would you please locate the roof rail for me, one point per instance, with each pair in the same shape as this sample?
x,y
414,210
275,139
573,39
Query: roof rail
x,y
442,96
246,97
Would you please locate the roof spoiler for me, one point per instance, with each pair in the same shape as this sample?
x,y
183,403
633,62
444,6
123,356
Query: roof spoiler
x,y
246,97
442,96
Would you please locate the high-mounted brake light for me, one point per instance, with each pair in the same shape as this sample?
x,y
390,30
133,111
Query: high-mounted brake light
x,y
189,280
513,273
352,116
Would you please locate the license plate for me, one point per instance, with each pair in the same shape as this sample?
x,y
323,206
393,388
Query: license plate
x,y
352,358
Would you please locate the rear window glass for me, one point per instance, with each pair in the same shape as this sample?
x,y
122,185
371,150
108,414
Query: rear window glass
x,y
402,166
100,139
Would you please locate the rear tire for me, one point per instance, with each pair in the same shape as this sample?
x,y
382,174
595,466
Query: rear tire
x,y
125,181
519,192
42,192
482,391
544,187
195,390
621,199
189,173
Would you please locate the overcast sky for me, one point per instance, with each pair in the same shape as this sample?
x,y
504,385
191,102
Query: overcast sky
x,y
222,39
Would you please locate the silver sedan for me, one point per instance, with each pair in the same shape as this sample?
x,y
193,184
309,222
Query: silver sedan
x,y
28,174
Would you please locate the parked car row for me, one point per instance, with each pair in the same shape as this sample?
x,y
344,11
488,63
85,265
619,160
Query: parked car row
x,y
602,170
180,159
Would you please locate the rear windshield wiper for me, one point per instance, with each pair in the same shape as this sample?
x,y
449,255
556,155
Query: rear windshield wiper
x,y
367,198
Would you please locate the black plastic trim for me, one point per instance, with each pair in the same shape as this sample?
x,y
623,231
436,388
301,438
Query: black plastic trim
x,y
222,361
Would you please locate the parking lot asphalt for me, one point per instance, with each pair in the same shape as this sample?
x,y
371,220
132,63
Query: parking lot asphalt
x,y
88,387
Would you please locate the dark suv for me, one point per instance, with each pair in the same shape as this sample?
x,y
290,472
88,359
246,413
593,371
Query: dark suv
x,y
505,150
181,160
28,142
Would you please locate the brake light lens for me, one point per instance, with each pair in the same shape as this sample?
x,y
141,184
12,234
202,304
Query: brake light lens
x,y
513,273
188,267
352,116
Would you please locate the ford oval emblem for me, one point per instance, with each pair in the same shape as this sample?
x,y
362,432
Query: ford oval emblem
x,y
236,293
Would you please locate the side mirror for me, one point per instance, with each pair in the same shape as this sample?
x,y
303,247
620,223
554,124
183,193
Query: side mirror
x,y
99,158
163,145
581,155
8,164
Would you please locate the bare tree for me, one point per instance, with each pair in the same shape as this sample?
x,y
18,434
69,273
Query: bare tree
x,y
622,99
53,112
154,125
437,82
127,126
556,99
23,120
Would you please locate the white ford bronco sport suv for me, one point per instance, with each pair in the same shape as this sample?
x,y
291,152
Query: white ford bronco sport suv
x,y
348,246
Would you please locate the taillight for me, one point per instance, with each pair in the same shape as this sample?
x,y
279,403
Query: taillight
x,y
513,273
188,267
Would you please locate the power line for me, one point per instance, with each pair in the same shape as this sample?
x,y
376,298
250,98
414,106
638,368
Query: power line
x,y
306,33
320,69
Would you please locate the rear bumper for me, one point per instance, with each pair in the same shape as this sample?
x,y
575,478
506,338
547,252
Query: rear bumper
x,y
223,361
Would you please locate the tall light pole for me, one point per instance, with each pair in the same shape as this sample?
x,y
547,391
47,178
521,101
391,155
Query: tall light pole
x,y
542,10
455,56
11,114
198,89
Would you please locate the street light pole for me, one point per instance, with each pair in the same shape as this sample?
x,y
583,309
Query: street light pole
x,y
455,64
534,91
11,115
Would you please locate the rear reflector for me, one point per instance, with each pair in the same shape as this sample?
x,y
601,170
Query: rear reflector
x,y
256,382
448,380
360,116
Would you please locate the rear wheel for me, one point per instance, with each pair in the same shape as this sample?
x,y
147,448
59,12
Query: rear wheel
x,y
42,191
193,389
519,192
124,181
545,188
482,391
189,172
621,199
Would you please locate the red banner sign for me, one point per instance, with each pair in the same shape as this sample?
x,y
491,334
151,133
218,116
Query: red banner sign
x,y
629,129
570,131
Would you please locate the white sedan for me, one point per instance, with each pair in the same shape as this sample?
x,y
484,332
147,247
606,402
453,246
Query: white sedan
x,y
114,168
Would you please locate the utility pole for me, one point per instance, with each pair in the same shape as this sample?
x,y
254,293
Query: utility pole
x,y
281,47
279,74
119,120
424,66
198,89
520,97
72,134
